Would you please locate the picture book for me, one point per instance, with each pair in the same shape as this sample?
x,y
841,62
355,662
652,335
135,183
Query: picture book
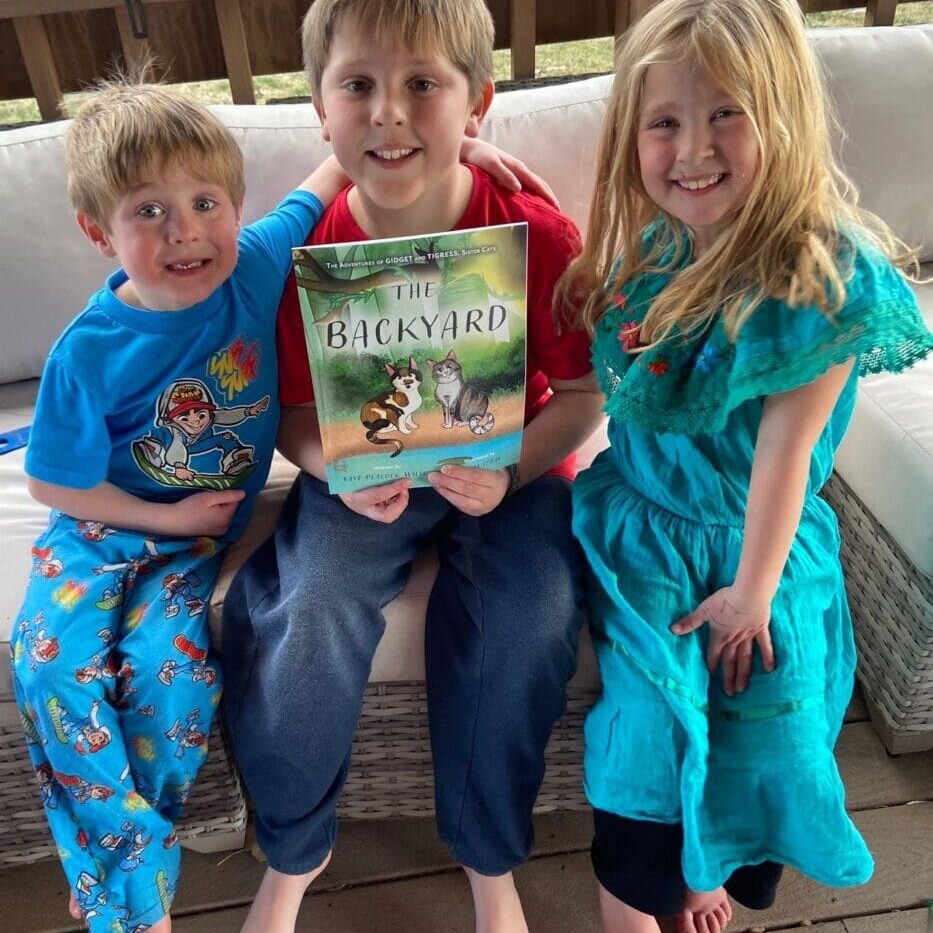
x,y
417,352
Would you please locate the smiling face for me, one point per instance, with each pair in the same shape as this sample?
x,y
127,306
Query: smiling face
x,y
396,118
175,235
697,150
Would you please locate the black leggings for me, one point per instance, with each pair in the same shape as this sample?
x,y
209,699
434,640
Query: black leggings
x,y
639,862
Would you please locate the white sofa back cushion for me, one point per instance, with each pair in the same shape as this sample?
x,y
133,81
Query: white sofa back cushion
x,y
882,80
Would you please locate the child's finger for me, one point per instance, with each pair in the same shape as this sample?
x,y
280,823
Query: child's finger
x,y
688,623
743,665
763,639
729,665
226,496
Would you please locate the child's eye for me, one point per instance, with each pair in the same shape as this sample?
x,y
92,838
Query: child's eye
x,y
205,204
665,123
725,112
149,211
355,86
423,85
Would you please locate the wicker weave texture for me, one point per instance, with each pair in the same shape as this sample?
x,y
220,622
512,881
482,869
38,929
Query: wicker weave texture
x,y
892,610
216,805
391,774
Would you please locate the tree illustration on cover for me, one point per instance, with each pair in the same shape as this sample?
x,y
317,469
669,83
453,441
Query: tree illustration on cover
x,y
417,352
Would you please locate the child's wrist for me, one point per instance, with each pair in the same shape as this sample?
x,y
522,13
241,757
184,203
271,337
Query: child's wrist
x,y
750,596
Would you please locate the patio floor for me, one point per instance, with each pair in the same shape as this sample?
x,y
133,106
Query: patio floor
x,y
394,877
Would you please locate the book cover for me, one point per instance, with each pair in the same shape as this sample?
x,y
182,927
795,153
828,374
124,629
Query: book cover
x,y
417,352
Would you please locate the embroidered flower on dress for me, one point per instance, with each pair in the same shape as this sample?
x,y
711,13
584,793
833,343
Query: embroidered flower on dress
x,y
709,357
658,367
630,335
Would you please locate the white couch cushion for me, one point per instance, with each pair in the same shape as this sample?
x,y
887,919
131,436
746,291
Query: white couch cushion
x,y
887,455
882,82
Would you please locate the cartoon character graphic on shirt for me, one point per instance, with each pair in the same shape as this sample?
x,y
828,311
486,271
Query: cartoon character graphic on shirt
x,y
40,647
190,432
180,588
90,735
195,667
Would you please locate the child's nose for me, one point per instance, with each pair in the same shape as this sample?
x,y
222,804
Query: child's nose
x,y
182,229
389,110
696,144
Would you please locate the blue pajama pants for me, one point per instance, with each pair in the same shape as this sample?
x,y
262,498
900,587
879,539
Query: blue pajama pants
x,y
302,620
117,691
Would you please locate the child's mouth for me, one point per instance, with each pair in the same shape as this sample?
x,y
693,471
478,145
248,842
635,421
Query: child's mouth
x,y
697,185
392,157
181,268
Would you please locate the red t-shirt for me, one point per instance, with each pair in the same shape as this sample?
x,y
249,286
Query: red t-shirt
x,y
553,240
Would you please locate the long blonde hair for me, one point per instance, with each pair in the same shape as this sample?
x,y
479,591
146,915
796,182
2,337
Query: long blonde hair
x,y
785,241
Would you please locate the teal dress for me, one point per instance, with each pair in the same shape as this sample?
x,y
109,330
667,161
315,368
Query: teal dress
x,y
660,515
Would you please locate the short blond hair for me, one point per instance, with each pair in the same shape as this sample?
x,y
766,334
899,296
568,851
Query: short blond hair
x,y
461,30
124,129
786,240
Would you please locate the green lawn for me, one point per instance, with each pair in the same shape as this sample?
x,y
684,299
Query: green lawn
x,y
564,58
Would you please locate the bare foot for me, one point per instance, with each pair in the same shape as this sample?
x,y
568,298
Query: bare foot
x,y
163,926
73,909
276,905
496,903
705,912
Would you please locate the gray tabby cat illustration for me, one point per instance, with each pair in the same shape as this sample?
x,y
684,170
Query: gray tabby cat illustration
x,y
461,402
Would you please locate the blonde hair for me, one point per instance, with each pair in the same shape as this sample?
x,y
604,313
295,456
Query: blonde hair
x,y
124,129
461,30
786,240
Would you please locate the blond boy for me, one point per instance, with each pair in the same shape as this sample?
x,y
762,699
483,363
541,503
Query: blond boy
x,y
150,460
396,84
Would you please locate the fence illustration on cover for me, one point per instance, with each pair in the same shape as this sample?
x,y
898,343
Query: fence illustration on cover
x,y
417,352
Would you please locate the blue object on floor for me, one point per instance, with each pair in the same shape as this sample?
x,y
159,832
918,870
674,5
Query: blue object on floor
x,y
13,440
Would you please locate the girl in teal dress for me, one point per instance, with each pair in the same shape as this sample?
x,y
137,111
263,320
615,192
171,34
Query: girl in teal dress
x,y
744,294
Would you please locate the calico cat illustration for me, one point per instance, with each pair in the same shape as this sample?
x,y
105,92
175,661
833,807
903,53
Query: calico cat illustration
x,y
392,411
461,402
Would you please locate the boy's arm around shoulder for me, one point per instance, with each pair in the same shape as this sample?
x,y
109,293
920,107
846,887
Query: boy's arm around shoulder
x,y
326,181
206,514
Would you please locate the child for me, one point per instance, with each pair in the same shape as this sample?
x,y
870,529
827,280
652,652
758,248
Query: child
x,y
748,295
153,433
396,84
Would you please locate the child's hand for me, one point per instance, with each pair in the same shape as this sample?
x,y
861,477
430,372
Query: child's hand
x,y
734,629
472,490
205,514
510,172
380,503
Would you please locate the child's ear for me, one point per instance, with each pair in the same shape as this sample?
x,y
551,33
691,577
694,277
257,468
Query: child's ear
x,y
96,234
239,213
322,116
478,110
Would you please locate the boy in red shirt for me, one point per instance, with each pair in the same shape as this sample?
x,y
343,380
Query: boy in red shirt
x,y
397,83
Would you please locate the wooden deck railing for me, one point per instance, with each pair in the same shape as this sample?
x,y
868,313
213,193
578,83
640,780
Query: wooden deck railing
x,y
48,47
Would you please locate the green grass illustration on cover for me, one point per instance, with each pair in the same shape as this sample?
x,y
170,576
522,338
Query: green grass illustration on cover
x,y
417,350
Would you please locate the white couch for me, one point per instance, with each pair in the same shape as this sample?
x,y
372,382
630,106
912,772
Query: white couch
x,y
882,80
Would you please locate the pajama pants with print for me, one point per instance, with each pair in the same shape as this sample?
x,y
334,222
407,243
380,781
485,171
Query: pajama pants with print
x,y
117,692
